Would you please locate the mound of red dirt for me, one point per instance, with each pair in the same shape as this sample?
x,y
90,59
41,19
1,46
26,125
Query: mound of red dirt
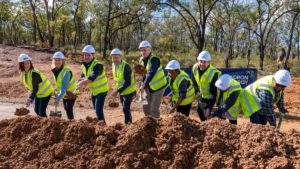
x,y
173,142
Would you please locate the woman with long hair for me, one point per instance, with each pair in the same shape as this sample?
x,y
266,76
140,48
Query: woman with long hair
x,y
37,83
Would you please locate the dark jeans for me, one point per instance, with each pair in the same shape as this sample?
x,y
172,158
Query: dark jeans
x,y
40,106
233,121
200,110
265,118
68,105
184,109
126,102
254,118
259,118
98,104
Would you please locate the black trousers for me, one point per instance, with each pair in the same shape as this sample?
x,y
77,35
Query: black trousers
x,y
68,105
184,109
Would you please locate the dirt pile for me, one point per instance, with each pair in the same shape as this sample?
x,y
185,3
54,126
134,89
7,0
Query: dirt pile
x,y
173,142
21,111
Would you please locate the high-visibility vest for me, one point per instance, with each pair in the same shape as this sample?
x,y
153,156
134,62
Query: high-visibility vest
x,y
59,79
250,101
119,78
190,95
100,84
45,87
159,80
235,109
205,80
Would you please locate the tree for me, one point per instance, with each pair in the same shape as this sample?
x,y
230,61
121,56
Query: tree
x,y
195,18
295,13
262,20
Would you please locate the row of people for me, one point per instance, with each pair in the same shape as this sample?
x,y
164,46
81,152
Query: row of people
x,y
207,86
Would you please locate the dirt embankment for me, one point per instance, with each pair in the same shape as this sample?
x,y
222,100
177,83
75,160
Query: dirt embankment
x,y
172,142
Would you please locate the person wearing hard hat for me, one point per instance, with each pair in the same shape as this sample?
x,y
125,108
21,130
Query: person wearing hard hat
x,y
36,82
93,75
183,93
258,98
154,82
229,103
204,77
124,82
65,83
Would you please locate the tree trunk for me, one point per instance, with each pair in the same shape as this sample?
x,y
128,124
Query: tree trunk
x,y
76,25
261,55
107,27
286,64
298,41
36,22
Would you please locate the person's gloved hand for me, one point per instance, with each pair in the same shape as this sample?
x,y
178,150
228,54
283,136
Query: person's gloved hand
x,y
218,113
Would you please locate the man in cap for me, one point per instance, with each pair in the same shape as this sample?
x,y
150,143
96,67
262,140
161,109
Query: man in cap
x,y
181,85
258,98
154,82
204,79
124,82
93,75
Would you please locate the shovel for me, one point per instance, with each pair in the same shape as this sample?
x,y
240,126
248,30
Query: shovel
x,y
281,115
55,113
141,100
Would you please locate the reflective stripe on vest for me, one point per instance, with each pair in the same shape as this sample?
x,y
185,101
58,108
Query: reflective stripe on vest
x,y
45,88
100,84
235,109
250,98
159,80
190,94
118,76
59,80
206,78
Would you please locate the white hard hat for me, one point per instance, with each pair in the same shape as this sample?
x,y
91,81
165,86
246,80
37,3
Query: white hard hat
x,y
23,58
283,77
224,82
58,55
88,49
204,55
144,44
116,51
173,65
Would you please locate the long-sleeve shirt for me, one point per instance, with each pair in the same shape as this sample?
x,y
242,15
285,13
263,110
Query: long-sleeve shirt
x,y
36,80
154,65
97,70
267,101
65,82
212,88
127,78
229,102
183,86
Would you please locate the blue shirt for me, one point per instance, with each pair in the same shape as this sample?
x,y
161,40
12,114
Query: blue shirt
x,y
64,86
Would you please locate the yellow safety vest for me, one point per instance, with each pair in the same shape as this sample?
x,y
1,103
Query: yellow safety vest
x,y
159,80
119,78
250,101
190,95
235,109
45,88
100,84
206,78
59,80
